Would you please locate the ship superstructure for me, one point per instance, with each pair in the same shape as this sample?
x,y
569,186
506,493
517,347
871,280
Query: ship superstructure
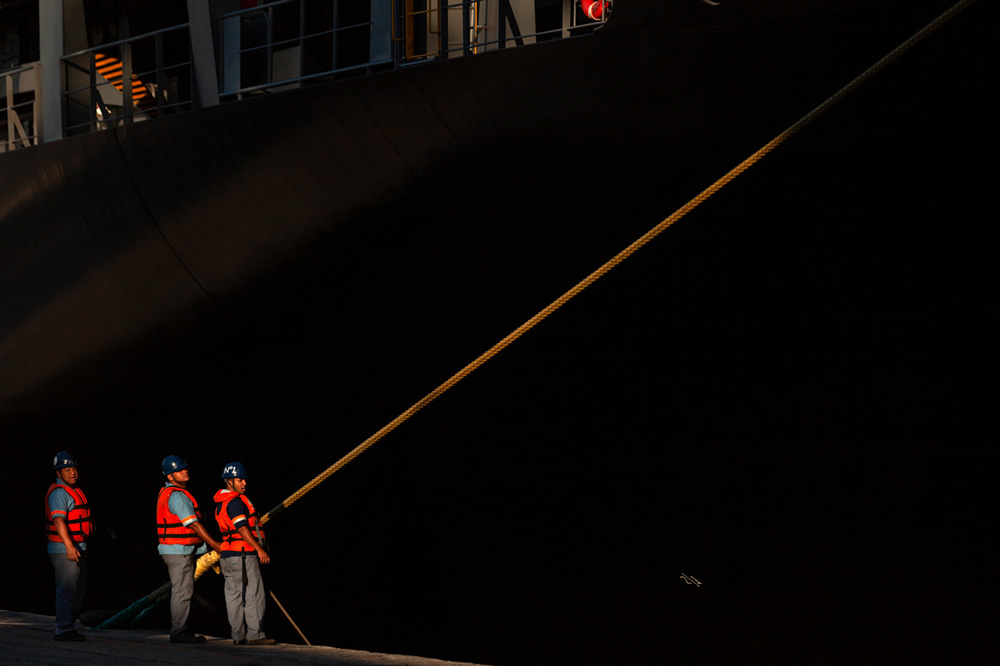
x,y
79,66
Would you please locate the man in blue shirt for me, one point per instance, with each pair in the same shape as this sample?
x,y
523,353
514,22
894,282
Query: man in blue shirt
x,y
182,539
67,514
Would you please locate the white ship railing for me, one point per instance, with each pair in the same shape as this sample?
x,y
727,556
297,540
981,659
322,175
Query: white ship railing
x,y
22,109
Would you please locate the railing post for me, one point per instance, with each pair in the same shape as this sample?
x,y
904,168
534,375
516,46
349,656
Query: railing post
x,y
269,77
8,103
126,82
36,107
467,21
380,35
92,73
158,47
334,38
444,45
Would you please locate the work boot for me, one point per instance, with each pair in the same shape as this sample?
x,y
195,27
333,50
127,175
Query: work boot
x,y
72,635
262,641
186,637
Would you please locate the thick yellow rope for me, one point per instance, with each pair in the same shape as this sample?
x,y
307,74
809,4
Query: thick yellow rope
x,y
210,559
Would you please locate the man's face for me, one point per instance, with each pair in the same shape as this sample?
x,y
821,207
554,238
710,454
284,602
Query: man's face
x,y
68,475
179,478
238,485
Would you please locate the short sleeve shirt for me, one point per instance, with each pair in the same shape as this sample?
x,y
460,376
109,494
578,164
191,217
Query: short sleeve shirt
x,y
238,512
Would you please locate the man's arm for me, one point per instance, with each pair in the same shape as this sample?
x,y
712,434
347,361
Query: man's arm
x,y
238,511
200,530
182,507
62,529
247,535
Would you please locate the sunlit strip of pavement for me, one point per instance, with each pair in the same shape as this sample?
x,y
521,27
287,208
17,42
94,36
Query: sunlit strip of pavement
x,y
26,639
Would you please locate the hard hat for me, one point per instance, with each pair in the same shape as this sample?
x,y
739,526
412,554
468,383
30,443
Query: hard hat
x,y
63,460
234,470
173,464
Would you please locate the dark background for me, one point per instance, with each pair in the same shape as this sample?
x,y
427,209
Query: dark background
x,y
788,396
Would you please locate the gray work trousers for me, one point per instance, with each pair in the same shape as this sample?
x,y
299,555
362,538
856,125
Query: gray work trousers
x,y
245,608
71,585
181,570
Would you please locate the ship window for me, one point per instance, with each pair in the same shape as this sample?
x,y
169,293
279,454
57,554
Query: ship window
x,y
253,31
317,54
353,13
317,16
285,26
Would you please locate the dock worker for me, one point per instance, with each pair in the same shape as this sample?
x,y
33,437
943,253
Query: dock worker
x,y
67,513
183,538
242,554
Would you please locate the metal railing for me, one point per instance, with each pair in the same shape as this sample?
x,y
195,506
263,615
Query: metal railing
x,y
21,112
439,29
128,81
290,43
285,43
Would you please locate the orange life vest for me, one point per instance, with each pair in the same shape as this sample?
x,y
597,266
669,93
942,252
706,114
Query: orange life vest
x,y
78,519
231,539
169,529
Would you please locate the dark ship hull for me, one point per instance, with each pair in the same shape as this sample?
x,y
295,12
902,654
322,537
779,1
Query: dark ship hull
x,y
781,397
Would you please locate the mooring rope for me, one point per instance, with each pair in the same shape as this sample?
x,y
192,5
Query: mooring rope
x,y
209,560
626,253
271,592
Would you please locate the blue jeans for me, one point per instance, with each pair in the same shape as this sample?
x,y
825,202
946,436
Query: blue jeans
x,y
71,586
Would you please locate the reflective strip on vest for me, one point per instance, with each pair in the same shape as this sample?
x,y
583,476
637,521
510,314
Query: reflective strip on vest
x,y
77,520
231,538
169,528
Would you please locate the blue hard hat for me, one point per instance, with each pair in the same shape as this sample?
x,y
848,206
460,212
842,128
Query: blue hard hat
x,y
234,470
63,460
173,464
